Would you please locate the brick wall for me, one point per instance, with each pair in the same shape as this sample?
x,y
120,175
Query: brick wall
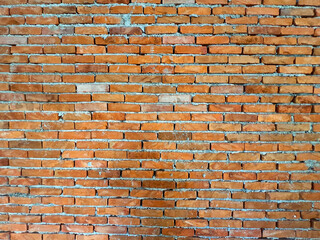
x,y
159,119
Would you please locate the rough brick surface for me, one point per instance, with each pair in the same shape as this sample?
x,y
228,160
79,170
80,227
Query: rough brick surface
x,y
159,119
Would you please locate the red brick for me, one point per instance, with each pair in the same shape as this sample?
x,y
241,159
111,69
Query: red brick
x,y
161,29
245,233
212,232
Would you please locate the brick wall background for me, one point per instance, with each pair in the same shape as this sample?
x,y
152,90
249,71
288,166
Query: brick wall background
x,y
159,119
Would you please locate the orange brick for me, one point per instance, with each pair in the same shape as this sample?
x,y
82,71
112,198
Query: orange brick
x,y
161,29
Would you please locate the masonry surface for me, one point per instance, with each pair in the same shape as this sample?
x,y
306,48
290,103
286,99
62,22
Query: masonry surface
x,y
159,119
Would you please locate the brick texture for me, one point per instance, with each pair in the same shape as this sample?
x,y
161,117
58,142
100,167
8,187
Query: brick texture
x,y
159,119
